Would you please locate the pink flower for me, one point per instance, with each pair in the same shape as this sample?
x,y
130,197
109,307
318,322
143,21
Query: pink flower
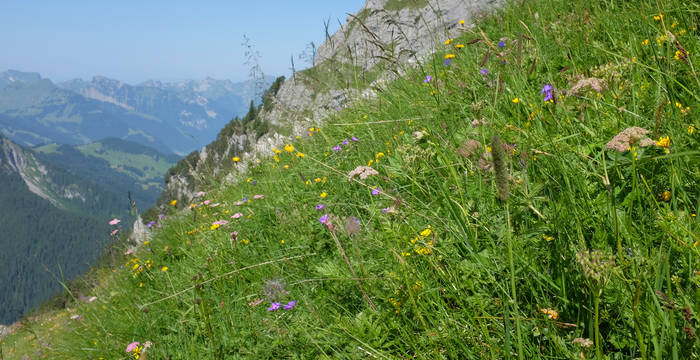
x,y
129,252
133,346
236,215
114,221
258,196
206,202
220,222
201,193
92,299
114,232
238,203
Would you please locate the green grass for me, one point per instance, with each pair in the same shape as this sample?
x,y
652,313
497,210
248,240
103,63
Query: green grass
x,y
591,243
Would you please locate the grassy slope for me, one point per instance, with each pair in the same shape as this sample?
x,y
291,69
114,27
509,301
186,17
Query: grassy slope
x,y
451,270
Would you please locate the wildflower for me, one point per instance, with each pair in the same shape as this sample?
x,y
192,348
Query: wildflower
x,y
114,221
164,269
448,41
658,17
93,298
551,314
236,159
548,91
629,137
665,196
173,203
447,62
501,44
354,139
376,191
323,219
428,78
386,210
449,56
691,129
363,172
133,346
301,155
289,148
664,142
459,46
319,207
345,142
484,71
317,180
274,306
290,305
277,159
236,215
461,22
515,100
258,196
323,195
426,232
645,42
337,148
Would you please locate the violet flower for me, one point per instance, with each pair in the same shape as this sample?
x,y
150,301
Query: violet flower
x,y
345,142
548,91
274,306
375,191
355,139
290,305
484,71
319,207
501,44
323,219
427,79
337,148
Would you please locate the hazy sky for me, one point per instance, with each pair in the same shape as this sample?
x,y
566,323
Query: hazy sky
x,y
134,40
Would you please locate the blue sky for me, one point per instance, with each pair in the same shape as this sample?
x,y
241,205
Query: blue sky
x,y
134,41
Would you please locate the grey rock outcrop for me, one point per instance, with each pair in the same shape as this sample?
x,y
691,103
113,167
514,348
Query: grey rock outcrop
x,y
382,31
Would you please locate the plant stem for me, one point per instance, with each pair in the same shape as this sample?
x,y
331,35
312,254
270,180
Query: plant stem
x,y
513,292
596,302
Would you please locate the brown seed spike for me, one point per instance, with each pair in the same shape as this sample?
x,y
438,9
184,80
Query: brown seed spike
x,y
499,166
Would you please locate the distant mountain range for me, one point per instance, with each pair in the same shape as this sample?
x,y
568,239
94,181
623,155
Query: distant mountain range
x,y
175,117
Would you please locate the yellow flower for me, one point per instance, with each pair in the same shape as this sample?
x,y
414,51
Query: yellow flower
x,y
289,148
665,196
236,159
516,100
547,238
449,56
461,22
664,142
448,41
459,46
323,195
286,166
214,226
311,129
173,203
317,180
658,17
426,232
380,154
691,129
645,42
300,155
277,159
369,163
282,242
164,269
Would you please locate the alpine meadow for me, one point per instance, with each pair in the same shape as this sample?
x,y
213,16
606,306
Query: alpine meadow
x,y
526,189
